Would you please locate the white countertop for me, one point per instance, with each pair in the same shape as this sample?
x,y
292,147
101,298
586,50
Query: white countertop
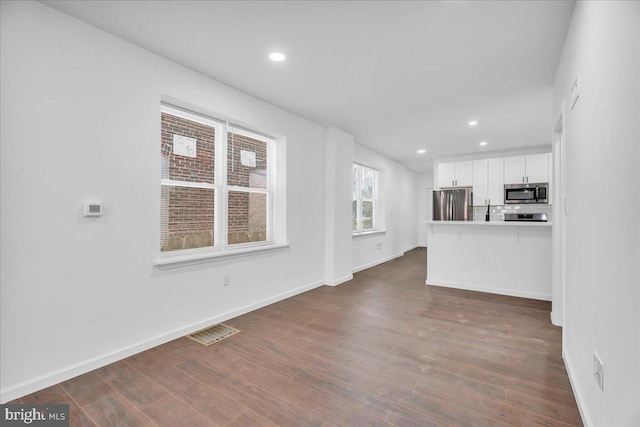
x,y
492,223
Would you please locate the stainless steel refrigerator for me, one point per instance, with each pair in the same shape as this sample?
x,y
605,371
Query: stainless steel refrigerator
x,y
455,204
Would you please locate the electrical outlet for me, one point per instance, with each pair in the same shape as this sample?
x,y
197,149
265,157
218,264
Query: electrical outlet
x,y
598,371
226,279
459,236
379,245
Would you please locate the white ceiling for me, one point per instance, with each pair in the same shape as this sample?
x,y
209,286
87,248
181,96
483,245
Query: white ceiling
x,y
397,75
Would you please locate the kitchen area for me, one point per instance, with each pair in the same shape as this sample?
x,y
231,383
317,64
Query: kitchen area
x,y
490,225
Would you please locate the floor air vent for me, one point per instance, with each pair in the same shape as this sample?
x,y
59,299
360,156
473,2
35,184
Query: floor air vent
x,y
213,334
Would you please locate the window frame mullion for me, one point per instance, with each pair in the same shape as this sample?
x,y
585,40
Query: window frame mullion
x,y
220,196
359,203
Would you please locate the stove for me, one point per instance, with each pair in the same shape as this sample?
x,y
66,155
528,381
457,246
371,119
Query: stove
x,y
530,217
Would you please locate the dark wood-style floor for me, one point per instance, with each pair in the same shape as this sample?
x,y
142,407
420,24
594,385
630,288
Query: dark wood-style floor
x,y
381,350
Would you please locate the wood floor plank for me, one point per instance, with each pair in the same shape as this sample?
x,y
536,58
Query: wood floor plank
x,y
171,412
56,394
134,386
250,419
209,401
250,395
553,410
261,358
87,388
308,398
305,358
113,410
360,406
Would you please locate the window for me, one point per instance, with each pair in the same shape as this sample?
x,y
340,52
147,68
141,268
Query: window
x,y
216,183
365,198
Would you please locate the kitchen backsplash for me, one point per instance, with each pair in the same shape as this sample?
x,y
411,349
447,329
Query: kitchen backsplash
x,y
497,212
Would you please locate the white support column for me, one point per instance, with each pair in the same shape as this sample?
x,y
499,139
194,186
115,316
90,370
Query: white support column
x,y
338,240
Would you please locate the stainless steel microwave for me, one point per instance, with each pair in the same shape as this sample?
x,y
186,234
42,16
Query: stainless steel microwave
x,y
526,193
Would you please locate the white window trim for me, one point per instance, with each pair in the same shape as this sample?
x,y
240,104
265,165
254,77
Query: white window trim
x,y
190,184
176,261
367,232
222,250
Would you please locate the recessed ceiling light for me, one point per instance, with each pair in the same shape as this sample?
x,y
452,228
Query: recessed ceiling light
x,y
276,56
473,122
422,151
483,143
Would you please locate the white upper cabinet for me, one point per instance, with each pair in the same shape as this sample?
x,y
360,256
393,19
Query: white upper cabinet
x,y
458,174
495,182
480,182
538,168
464,174
514,170
446,175
488,182
526,169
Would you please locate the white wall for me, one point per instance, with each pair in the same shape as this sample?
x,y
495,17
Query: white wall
x,y
425,184
398,199
80,120
602,137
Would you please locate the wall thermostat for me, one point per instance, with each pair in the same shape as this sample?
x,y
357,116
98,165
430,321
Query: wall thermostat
x,y
92,209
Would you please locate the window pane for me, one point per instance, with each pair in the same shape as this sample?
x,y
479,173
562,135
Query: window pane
x,y
367,183
354,215
186,219
188,150
367,215
246,161
247,221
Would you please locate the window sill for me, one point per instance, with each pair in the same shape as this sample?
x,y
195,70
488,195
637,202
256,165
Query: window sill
x,y
177,261
366,233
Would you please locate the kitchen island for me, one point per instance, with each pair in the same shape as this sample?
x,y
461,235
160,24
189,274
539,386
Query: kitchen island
x,y
508,258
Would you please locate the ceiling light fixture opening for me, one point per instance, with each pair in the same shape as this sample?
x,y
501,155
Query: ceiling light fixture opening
x,y
422,151
277,56
483,143
473,122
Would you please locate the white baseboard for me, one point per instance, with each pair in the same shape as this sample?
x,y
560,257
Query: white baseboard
x,y
555,320
582,407
44,381
499,291
377,262
339,281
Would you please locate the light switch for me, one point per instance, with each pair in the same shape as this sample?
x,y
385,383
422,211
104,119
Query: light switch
x,y
575,91
92,209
